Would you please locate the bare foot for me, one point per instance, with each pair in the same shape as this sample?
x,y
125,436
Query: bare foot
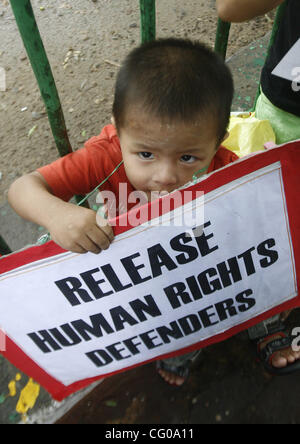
x,y
171,378
283,357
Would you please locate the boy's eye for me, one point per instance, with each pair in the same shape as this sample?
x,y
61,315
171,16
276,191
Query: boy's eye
x,y
188,159
145,155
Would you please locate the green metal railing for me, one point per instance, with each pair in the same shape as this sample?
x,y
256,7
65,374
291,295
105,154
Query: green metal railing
x,y
31,37
30,34
148,20
222,36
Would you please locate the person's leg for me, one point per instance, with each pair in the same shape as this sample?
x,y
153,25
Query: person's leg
x,y
287,128
258,332
264,328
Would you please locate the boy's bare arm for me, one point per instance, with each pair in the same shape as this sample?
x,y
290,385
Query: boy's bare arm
x,y
243,10
73,228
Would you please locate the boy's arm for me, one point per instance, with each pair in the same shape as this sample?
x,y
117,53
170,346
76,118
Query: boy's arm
x,y
72,227
243,10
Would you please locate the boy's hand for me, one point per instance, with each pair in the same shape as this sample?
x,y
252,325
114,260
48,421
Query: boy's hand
x,y
76,229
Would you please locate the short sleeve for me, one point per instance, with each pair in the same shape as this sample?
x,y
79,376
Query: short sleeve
x,y
81,171
71,174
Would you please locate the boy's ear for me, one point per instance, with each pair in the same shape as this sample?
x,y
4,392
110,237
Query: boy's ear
x,y
225,137
113,122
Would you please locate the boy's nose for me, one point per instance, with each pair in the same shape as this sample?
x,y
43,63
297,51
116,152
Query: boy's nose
x,y
165,177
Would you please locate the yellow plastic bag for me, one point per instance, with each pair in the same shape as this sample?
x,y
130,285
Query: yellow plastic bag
x,y
248,134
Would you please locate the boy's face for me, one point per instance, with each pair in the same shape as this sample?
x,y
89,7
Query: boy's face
x,y
162,157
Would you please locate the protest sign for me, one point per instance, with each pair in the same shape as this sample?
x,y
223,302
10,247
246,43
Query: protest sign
x,y
160,289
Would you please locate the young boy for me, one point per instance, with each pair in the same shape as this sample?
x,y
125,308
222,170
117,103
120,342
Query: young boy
x,y
170,114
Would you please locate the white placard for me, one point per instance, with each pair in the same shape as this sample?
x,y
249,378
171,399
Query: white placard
x,y
157,289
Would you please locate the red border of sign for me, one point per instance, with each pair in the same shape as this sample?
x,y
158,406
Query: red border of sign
x,y
288,155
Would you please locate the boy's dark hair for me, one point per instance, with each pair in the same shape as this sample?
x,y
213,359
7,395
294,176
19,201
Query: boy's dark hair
x,y
175,79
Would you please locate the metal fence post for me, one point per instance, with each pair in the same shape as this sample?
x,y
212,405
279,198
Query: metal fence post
x,y
148,20
30,34
222,35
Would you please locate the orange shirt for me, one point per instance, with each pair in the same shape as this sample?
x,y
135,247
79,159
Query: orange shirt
x,y
81,171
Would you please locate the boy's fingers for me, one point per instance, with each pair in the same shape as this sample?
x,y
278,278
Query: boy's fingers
x,y
99,238
87,244
78,249
103,224
107,230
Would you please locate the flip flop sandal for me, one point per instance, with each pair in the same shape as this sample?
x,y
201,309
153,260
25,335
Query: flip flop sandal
x,y
182,371
266,354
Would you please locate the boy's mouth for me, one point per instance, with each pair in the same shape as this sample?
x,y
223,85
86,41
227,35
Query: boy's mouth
x,y
158,194
162,193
